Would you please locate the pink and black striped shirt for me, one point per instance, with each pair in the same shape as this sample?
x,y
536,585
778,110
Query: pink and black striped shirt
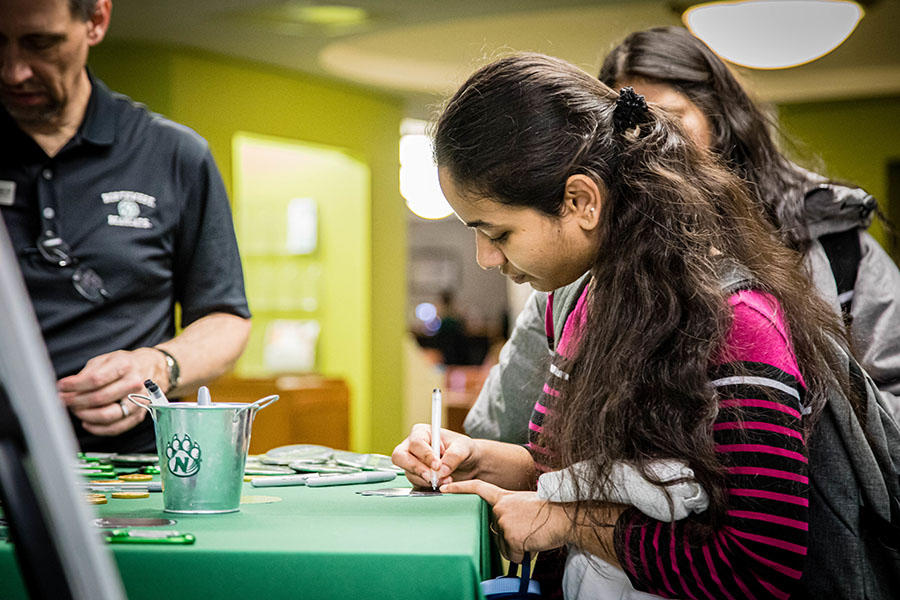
x,y
760,551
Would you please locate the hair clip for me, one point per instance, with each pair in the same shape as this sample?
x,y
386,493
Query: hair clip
x,y
631,110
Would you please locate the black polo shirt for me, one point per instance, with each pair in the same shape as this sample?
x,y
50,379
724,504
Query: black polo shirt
x,y
138,199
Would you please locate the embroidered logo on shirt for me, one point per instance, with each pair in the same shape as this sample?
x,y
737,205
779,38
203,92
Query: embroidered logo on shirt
x,y
128,208
7,192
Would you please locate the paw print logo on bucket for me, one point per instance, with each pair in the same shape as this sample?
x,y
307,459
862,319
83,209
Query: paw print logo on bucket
x,y
183,456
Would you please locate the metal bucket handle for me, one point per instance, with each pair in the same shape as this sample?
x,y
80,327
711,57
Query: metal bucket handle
x,y
256,406
141,404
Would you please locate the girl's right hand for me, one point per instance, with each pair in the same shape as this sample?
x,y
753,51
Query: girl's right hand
x,y
458,460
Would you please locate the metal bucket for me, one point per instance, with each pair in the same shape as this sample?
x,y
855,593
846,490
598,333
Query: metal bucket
x,y
202,452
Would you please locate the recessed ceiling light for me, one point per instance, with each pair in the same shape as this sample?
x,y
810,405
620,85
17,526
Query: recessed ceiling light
x,y
327,15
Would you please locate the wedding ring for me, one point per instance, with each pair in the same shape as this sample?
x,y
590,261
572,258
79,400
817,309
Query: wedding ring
x,y
125,410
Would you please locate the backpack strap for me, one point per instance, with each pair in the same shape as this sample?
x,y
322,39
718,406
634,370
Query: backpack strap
x,y
511,586
844,255
873,439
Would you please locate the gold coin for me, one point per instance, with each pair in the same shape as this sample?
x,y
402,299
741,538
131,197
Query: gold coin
x,y
105,481
95,498
136,477
259,499
130,495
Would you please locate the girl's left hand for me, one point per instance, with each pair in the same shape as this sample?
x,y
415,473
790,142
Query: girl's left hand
x,y
525,522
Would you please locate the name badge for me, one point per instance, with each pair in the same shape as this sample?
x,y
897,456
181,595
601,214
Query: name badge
x,y
7,192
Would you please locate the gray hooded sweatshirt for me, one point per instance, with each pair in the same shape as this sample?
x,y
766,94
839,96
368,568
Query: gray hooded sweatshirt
x,y
504,405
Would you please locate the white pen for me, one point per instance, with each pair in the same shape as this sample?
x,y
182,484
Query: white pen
x,y
282,480
125,486
155,393
349,478
317,480
435,431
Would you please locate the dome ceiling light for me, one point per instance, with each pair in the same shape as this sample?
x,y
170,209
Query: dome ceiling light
x,y
773,34
419,183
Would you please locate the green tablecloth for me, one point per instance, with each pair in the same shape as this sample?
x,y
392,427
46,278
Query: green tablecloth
x,y
317,543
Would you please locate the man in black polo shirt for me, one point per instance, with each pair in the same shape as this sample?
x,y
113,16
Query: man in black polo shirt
x,y
115,214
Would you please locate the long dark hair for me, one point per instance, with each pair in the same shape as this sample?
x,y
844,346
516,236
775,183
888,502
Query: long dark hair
x,y
741,134
657,314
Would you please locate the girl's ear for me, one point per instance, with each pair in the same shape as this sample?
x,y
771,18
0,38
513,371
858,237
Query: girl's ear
x,y
582,201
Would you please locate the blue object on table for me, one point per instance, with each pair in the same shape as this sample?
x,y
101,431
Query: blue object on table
x,y
511,587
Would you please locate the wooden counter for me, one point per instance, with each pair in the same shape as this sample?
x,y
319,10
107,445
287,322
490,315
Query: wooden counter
x,y
312,410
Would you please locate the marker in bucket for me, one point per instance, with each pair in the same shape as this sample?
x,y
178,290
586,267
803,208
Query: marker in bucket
x,y
203,397
155,393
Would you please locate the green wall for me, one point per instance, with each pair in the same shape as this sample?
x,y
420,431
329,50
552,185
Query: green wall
x,y
854,139
219,97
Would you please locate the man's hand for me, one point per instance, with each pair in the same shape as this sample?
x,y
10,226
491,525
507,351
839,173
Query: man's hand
x,y
524,522
94,394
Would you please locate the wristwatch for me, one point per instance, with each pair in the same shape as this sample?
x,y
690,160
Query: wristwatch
x,y
174,372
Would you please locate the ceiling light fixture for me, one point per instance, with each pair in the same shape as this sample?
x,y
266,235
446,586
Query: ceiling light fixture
x,y
328,15
419,183
773,34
